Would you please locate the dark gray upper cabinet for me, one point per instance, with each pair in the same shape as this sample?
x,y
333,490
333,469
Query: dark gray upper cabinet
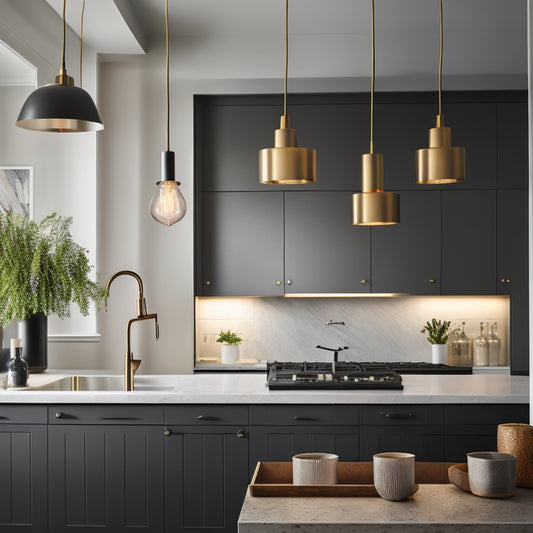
x,y
407,257
242,244
512,145
469,242
324,253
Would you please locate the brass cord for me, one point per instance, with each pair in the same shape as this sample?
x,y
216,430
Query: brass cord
x,y
286,57
440,59
167,73
63,68
372,84
81,43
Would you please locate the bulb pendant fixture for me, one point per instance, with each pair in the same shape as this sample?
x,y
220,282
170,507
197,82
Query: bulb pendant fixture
x,y
373,206
441,162
286,163
60,107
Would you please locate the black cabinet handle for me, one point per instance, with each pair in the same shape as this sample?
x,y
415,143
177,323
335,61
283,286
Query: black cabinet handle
x,y
397,416
304,419
167,432
206,417
59,414
241,434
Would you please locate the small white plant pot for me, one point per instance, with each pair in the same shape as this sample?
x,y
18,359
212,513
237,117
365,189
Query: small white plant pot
x,y
229,353
439,354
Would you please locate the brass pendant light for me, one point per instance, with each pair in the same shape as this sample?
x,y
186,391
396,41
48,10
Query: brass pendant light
x,y
60,107
441,162
373,206
167,205
286,164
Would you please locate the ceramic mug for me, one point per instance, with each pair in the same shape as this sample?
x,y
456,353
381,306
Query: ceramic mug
x,y
394,475
314,469
492,474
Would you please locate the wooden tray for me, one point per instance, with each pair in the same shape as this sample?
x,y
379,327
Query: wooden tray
x,y
353,479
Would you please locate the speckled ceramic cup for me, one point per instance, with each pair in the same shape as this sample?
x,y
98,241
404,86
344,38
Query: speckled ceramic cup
x,y
314,469
492,474
394,475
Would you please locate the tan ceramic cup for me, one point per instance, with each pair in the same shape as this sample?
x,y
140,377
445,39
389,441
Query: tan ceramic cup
x,y
314,469
394,475
517,440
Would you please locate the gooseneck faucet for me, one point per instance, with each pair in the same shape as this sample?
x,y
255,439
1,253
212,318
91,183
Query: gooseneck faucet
x,y
131,365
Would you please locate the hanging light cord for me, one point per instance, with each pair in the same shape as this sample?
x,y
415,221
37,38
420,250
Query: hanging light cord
x,y
286,57
63,68
167,73
440,59
372,85
81,43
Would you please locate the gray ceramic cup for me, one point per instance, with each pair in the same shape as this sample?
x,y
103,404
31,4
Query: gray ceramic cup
x,y
394,475
492,474
314,468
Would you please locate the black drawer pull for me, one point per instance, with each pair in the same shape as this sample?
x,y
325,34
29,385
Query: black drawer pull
x,y
241,434
397,416
305,419
167,432
59,414
120,418
207,417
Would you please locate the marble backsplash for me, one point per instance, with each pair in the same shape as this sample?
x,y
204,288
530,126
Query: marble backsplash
x,y
376,328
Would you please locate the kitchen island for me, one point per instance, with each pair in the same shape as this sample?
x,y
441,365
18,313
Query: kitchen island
x,y
433,509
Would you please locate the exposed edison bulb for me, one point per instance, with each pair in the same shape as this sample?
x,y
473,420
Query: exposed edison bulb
x,y
168,204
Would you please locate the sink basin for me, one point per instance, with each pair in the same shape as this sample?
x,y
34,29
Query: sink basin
x,y
101,383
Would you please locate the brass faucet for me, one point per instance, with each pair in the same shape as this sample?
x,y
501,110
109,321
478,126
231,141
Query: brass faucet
x,y
131,364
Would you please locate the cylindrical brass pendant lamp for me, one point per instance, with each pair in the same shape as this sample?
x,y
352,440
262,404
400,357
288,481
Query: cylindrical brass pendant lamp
x,y
441,162
286,163
61,107
373,206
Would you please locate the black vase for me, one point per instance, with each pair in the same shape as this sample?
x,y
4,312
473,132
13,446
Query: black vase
x,y
34,334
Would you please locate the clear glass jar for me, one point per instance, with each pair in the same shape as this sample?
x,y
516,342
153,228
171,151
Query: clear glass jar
x,y
459,353
481,348
494,345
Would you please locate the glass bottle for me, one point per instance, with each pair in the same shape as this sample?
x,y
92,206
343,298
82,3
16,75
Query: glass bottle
x,y
494,345
481,348
17,368
459,353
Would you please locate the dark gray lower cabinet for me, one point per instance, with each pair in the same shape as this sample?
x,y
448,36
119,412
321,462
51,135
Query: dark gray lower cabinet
x,y
206,477
23,485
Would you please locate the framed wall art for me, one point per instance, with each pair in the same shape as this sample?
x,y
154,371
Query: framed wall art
x,y
16,190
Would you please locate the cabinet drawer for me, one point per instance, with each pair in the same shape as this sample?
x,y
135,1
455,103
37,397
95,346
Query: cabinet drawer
x,y
23,414
106,414
385,415
281,415
206,415
487,414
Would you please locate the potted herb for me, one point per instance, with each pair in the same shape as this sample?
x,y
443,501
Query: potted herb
x,y
42,272
438,332
229,351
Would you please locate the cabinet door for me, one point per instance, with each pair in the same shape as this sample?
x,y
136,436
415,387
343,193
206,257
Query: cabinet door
x,y
106,478
407,257
469,242
513,168
323,251
242,244
23,486
206,478
513,271
280,443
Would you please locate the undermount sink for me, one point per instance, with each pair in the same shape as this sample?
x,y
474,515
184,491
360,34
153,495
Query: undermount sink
x,y
101,383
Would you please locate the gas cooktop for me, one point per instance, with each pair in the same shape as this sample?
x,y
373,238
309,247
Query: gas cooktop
x,y
349,374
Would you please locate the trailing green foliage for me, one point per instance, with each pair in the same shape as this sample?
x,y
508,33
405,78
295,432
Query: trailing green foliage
x,y
42,270
437,331
229,337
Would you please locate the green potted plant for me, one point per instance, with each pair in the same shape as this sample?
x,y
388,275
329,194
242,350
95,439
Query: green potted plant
x,y
437,332
229,351
42,272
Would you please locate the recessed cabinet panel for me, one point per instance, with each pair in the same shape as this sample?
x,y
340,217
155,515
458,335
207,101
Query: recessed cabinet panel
x,y
324,253
513,168
243,244
406,257
469,242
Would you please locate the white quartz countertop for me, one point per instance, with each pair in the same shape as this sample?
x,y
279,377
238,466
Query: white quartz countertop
x,y
235,388
434,509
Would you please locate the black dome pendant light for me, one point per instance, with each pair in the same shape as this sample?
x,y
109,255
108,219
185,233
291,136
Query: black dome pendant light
x,y
60,107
